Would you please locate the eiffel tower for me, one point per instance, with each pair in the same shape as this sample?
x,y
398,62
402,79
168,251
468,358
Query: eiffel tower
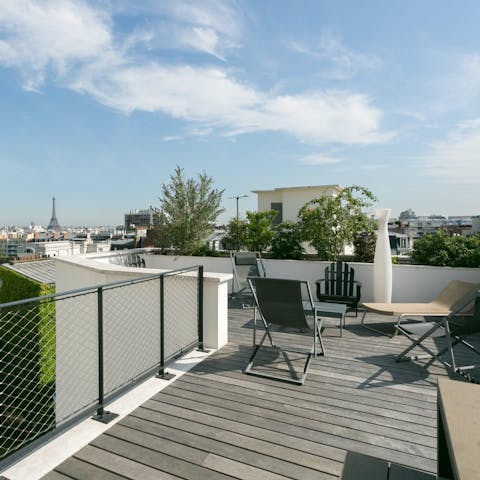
x,y
54,225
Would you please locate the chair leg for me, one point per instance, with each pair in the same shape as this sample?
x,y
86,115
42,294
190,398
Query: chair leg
x,y
416,342
256,349
318,332
373,329
309,355
255,328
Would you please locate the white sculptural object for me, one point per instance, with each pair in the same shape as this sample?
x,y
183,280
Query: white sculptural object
x,y
382,264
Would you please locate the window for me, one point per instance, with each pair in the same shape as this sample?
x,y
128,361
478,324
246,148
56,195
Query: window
x,y
278,207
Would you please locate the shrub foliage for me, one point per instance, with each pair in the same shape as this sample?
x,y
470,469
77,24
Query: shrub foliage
x,y
443,249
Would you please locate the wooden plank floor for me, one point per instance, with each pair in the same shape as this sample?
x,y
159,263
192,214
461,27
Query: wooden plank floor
x,y
217,423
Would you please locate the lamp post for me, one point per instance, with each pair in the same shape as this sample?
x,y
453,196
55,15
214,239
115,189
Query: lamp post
x,y
237,197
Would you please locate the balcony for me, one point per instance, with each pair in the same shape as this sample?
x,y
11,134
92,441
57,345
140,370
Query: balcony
x,y
216,422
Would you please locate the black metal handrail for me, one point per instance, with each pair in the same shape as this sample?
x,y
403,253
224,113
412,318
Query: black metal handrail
x,y
99,291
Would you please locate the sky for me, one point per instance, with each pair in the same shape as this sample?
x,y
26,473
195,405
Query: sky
x,y
101,100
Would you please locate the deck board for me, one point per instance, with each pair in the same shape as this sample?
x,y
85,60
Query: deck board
x,y
217,423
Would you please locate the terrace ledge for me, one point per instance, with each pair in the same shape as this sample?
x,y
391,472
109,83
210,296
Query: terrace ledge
x,y
80,271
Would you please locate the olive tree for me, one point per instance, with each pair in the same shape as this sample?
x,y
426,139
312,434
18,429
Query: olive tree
x,y
188,210
331,222
259,230
287,241
235,235
255,233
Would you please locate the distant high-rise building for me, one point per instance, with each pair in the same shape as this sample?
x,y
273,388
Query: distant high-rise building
x,y
138,218
54,225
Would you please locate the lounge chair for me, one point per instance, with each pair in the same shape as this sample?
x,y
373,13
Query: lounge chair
x,y
339,286
244,265
454,328
440,306
279,302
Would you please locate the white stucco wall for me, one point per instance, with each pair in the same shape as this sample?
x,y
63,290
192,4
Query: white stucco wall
x,y
292,199
131,316
410,282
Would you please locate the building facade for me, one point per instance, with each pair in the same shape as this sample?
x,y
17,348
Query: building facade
x,y
289,200
138,219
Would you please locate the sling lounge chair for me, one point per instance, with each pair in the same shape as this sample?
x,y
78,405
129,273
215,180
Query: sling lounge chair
x,y
244,265
455,328
440,306
279,303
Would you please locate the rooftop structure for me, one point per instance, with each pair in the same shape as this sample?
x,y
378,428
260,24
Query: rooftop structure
x,y
138,219
42,271
287,201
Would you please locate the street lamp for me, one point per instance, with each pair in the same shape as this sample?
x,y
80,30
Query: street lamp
x,y
237,197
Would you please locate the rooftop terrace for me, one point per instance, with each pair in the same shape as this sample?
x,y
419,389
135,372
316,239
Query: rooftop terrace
x,y
215,422
96,342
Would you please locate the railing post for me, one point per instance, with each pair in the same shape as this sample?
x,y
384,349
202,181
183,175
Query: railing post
x,y
161,371
102,415
200,309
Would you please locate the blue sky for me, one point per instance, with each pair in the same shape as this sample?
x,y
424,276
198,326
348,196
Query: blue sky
x,y
99,101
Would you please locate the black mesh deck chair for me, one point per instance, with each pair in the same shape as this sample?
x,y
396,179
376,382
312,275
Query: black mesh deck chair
x,y
339,286
245,264
279,303
462,322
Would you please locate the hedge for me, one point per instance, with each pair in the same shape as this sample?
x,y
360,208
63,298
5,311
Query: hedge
x,y
27,336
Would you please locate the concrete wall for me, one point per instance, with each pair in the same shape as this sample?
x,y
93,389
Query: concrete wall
x,y
265,200
410,282
292,199
131,315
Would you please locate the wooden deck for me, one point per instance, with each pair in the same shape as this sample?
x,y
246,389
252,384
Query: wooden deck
x,y
217,423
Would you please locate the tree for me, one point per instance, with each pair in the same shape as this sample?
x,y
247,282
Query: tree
x,y
331,222
188,211
443,249
235,235
364,245
259,230
287,241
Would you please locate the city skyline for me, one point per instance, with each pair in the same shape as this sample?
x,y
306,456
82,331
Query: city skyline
x,y
100,102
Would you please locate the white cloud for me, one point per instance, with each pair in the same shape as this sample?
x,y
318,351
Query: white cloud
x,y
458,86
75,45
343,62
171,138
319,159
202,39
209,26
220,16
37,36
330,116
457,158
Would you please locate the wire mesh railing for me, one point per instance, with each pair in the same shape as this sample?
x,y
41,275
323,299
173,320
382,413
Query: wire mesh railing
x,y
64,356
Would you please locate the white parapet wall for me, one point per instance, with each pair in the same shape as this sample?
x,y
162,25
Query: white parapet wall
x,y
88,270
131,318
411,283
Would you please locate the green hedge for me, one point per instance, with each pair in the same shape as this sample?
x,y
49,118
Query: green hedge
x,y
27,336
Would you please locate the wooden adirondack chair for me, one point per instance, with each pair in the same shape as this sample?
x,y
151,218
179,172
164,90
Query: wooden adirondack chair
x,y
339,286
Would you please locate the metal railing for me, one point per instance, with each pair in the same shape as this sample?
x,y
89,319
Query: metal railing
x,y
63,356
